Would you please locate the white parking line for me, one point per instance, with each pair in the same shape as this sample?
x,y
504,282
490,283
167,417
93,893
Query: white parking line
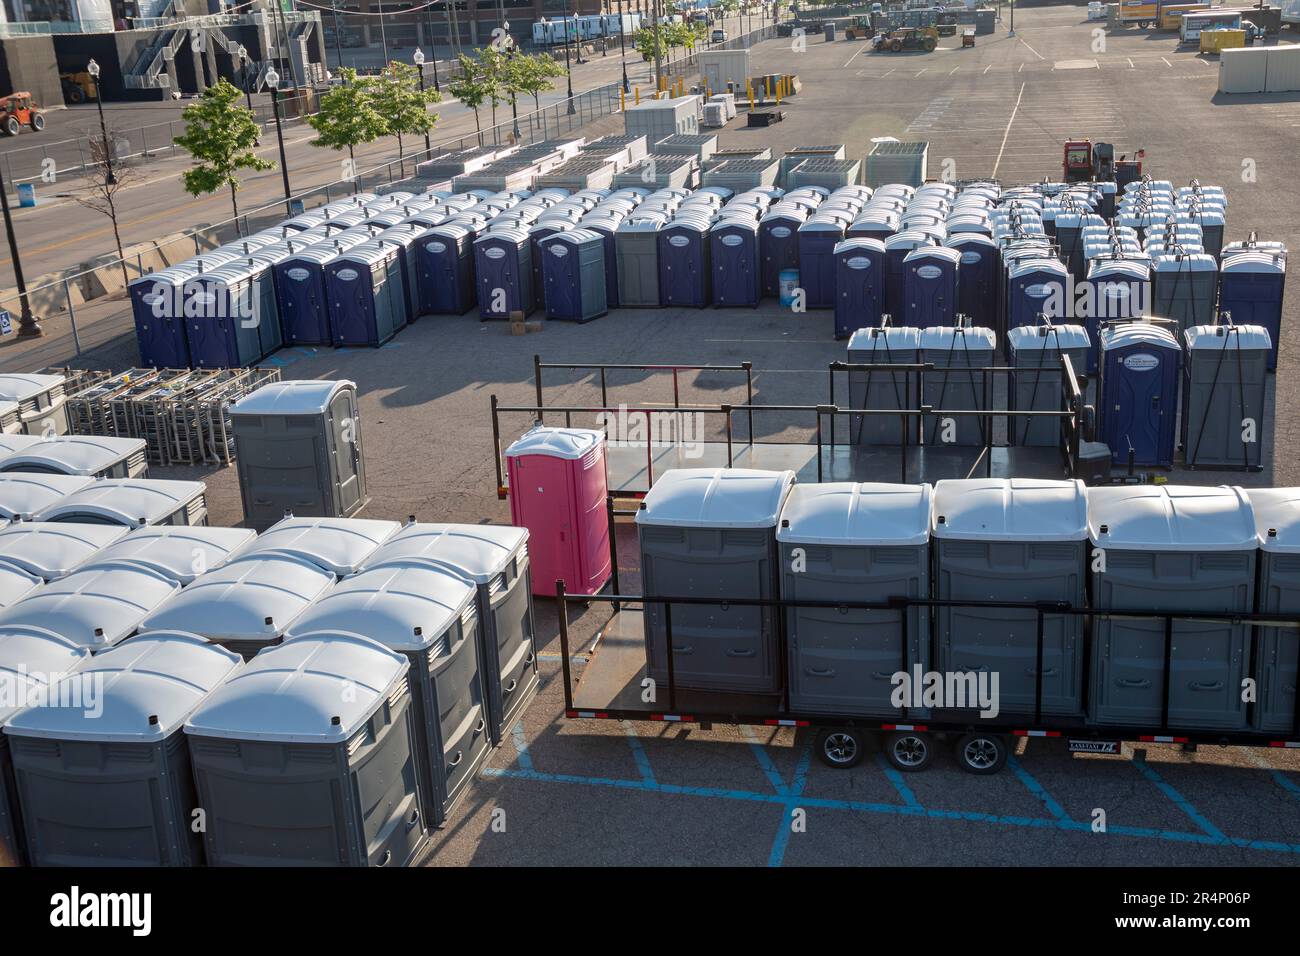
x,y
855,55
891,71
987,68
1167,63
1007,132
1022,68
954,70
1130,63
1032,50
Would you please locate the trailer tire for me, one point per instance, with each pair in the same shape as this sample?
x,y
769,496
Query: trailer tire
x,y
841,748
909,750
982,754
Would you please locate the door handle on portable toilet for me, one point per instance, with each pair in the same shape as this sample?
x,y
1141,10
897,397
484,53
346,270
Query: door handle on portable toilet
x,y
882,675
460,755
683,649
1206,685
478,728
386,858
512,686
740,652
1133,682
1033,672
821,671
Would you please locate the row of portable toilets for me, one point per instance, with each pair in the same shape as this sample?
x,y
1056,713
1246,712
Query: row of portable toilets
x,y
1206,392
323,691
747,534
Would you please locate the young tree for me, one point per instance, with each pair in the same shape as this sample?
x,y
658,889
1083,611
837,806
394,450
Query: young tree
x,y
469,89
492,70
535,75
347,118
105,176
397,98
219,136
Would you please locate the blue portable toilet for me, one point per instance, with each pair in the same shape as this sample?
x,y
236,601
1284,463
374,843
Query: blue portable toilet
x,y
778,244
1250,290
976,276
818,237
158,306
1138,406
366,297
872,225
1036,286
930,286
405,236
538,231
897,248
605,225
445,256
859,285
503,264
1116,289
573,281
733,252
231,317
300,286
684,262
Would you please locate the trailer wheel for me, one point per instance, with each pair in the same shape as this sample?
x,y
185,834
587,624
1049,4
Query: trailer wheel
x,y
908,750
841,748
981,753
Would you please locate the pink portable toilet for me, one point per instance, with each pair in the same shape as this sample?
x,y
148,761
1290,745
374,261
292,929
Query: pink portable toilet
x,y
557,491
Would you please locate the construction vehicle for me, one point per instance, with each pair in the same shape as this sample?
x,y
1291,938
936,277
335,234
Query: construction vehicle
x,y
77,87
859,29
16,111
1086,161
908,38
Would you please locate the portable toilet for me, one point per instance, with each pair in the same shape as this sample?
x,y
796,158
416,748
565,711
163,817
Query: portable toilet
x,y
818,236
733,252
637,261
1037,383
977,272
859,285
1250,293
1140,367
54,549
337,545
445,257
710,532
1116,289
328,720
41,401
778,245
112,786
16,584
133,502
181,554
1036,286
574,282
304,298
606,226
427,614
1183,288
558,489
405,237
879,389
958,355
95,607
158,307
32,660
1211,219
930,286
496,560
246,604
366,298
1177,549
22,497
94,456
231,316
684,267
504,267
1012,540
897,248
1225,396
870,541
1277,521
299,449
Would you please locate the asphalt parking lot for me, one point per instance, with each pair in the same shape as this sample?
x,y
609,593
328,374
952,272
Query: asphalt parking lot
x,y
604,792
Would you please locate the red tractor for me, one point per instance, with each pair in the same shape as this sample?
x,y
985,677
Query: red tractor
x,y
1086,161
16,111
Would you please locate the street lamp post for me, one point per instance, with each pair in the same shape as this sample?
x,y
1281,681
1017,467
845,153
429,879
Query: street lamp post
x,y
433,45
242,53
622,50
28,327
568,71
273,81
511,52
418,57
93,69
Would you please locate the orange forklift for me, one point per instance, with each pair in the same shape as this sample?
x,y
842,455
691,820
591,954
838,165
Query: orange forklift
x,y
1086,161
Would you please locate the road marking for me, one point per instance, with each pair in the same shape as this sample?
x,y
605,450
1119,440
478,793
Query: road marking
x,y
855,55
922,71
1032,50
1022,68
891,71
1130,63
1014,110
1179,800
1167,63
987,68
954,70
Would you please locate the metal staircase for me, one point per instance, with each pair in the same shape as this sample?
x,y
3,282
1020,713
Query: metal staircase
x,y
149,71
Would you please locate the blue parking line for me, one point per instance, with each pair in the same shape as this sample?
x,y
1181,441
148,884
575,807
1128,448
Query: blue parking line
x,y
639,756
521,746
896,778
1179,800
765,762
1037,789
793,793
1286,783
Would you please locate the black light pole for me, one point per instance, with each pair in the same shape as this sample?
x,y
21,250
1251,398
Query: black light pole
x,y
28,327
110,179
622,50
568,71
418,57
338,36
604,33
514,97
242,53
433,45
273,81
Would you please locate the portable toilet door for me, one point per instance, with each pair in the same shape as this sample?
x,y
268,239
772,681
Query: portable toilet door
x,y
859,285
818,237
574,277
897,248
304,299
636,246
446,266
403,237
606,227
976,277
537,233
1224,396
331,719
956,382
1277,652
158,306
684,263
930,287
367,301
113,787
1250,293
504,268
733,251
778,248
218,327
880,389
1036,384
1140,368
1035,287
557,491
1184,288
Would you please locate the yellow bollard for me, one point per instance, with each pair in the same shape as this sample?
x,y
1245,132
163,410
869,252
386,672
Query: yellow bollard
x,y
749,91
768,82
637,91
622,105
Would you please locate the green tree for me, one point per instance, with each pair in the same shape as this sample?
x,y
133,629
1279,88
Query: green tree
x,y
646,38
347,118
492,70
220,133
534,75
470,89
397,98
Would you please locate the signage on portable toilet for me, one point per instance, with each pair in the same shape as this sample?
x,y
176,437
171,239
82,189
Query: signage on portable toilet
x,y
1140,366
930,287
859,285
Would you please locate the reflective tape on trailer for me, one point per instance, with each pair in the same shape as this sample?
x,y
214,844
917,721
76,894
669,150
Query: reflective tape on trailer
x,y
919,728
1287,744
1163,740
1036,733
682,718
599,714
786,723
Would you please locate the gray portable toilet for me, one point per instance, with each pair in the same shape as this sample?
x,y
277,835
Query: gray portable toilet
x,y
1225,382
40,401
867,542
1012,540
957,354
337,545
95,607
427,613
1179,549
305,757
299,449
1185,288
109,783
495,559
709,532
16,584
132,502
54,549
31,661
181,554
1036,384
636,244
246,604
24,496
1277,649
93,456
879,389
